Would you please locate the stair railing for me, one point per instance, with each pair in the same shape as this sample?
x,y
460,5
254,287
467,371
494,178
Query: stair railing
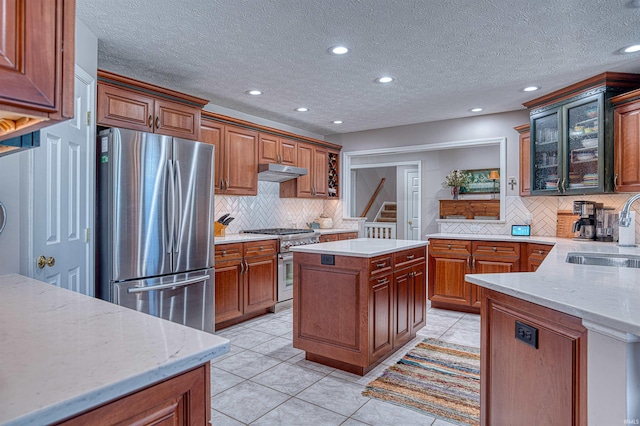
x,y
373,197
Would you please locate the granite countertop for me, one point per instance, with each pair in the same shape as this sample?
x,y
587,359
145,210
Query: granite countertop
x,y
240,238
604,295
63,352
334,230
360,247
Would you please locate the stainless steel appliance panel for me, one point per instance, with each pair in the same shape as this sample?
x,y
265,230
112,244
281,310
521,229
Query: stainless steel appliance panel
x,y
193,172
140,178
285,276
186,299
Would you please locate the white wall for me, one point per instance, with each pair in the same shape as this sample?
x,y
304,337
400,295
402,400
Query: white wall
x,y
480,127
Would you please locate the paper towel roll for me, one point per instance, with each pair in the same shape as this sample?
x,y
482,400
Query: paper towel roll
x,y
627,235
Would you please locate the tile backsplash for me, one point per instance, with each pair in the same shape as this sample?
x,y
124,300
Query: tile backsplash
x,y
268,210
543,211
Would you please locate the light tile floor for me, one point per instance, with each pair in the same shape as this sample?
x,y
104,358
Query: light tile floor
x,y
264,380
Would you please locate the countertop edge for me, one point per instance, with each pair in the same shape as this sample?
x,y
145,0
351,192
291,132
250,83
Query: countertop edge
x,y
346,247
93,399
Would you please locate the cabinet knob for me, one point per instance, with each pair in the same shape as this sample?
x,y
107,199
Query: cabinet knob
x,y
540,252
449,246
224,252
261,248
495,249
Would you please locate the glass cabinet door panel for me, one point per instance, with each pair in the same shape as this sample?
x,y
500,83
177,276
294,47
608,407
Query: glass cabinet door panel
x,y
582,160
544,153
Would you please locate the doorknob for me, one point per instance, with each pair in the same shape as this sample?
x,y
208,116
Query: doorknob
x,y
46,261
410,223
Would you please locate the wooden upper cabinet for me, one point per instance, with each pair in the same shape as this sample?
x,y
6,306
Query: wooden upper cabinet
x,y
627,143
149,109
314,184
240,168
274,149
525,159
37,74
212,132
320,177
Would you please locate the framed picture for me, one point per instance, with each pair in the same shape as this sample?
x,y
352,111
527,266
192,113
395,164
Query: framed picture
x,y
480,183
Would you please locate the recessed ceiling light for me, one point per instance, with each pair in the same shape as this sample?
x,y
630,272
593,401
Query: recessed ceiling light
x,y
302,109
254,92
475,109
385,79
631,49
337,121
530,89
338,50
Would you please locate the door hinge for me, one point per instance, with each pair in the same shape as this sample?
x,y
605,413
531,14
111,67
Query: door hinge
x,y
88,118
87,235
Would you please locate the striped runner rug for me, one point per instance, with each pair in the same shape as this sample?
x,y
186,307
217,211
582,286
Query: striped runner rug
x,y
437,378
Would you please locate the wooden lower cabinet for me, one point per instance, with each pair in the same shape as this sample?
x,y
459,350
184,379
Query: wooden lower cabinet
x,y
181,400
358,311
539,382
536,253
338,236
246,280
450,260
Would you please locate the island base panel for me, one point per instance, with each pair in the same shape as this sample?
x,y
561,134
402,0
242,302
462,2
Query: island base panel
x,y
344,366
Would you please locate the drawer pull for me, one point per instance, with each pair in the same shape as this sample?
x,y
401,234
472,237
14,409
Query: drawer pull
x,y
495,249
449,246
540,252
383,281
410,257
381,265
261,248
224,252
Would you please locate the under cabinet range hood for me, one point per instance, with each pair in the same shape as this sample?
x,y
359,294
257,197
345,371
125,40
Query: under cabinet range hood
x,y
279,172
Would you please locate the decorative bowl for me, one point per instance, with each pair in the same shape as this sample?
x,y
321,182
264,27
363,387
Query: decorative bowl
x,y
590,143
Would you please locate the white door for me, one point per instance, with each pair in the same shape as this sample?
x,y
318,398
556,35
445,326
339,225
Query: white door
x,y
63,196
412,203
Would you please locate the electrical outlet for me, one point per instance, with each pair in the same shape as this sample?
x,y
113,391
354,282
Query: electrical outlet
x,y
527,334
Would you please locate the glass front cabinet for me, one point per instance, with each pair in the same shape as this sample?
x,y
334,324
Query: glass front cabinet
x,y
567,151
572,137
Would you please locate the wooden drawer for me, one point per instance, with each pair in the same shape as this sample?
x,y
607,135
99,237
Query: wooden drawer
x,y
380,265
408,257
450,246
348,236
325,238
495,248
485,209
260,248
230,251
538,251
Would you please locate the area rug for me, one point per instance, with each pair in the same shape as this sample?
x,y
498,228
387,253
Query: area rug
x,y
437,378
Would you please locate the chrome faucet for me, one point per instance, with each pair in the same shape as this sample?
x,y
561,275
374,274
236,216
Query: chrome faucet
x,y
625,217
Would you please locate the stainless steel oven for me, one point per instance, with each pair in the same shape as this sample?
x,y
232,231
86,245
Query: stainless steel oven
x,y
285,276
288,237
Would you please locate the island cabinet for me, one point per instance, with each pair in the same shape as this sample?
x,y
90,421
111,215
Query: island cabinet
x,y
180,400
536,253
533,363
245,279
136,105
36,65
352,312
450,260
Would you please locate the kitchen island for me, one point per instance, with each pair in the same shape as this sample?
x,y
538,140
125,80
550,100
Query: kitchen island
x,y
70,358
355,302
560,341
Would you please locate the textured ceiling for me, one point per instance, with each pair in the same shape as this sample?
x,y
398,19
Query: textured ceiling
x,y
447,56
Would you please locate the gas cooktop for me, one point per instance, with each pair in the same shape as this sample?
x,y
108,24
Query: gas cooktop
x,y
278,231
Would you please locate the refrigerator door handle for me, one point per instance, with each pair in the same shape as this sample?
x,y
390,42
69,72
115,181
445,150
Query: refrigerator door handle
x,y
170,206
179,209
170,285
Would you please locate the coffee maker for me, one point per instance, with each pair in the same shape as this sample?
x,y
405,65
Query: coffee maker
x,y
586,223
606,224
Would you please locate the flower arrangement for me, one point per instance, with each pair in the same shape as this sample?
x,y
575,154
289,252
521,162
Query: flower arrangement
x,y
457,179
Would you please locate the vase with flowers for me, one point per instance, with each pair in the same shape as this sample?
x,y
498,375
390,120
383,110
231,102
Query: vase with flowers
x,y
455,180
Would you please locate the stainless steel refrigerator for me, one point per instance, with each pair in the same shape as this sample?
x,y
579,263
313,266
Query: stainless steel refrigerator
x,y
154,225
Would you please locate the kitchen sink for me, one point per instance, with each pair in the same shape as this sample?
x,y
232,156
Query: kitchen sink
x,y
602,259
